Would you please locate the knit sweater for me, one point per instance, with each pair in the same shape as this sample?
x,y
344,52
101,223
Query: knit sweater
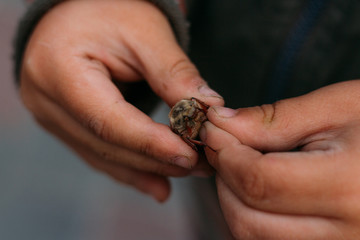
x,y
255,52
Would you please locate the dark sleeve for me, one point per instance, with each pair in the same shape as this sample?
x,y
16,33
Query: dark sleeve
x,y
39,7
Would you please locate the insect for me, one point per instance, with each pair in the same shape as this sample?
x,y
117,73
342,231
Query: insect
x,y
186,118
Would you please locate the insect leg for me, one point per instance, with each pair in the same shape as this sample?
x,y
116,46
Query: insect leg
x,y
199,143
190,143
204,106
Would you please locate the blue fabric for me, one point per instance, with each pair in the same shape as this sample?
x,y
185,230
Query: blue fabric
x,y
292,46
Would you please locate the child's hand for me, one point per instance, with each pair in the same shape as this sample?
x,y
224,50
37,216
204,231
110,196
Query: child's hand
x,y
66,82
290,170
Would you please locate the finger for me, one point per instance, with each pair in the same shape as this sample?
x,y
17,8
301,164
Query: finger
x,y
56,120
84,144
80,82
220,141
167,68
249,223
92,99
290,123
295,183
175,77
152,184
202,168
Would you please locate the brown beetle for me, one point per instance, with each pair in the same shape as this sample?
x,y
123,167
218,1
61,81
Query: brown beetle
x,y
186,118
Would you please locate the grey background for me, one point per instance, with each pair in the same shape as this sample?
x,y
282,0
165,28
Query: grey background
x,y
46,192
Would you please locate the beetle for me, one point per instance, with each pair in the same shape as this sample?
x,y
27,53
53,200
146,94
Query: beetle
x,y
186,118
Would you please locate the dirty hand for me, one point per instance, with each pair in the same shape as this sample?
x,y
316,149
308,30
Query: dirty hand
x,y
290,170
66,81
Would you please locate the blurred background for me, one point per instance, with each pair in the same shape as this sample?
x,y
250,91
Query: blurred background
x,y
46,192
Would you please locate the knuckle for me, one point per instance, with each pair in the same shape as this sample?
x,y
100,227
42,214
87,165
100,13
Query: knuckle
x,y
251,182
146,146
182,66
96,124
253,185
269,113
275,119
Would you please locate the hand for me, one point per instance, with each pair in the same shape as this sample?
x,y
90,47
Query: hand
x,y
66,82
290,170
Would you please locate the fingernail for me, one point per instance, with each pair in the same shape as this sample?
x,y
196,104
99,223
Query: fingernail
x,y
225,112
208,92
182,161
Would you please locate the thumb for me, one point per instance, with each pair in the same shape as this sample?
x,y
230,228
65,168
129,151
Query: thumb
x,y
167,69
289,123
173,77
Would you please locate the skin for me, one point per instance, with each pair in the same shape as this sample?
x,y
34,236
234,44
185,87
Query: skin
x,y
71,57
267,189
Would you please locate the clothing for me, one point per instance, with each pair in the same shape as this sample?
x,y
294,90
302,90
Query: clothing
x,y
239,46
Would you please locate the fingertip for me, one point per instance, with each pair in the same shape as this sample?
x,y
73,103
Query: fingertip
x,y
157,187
210,96
215,137
240,123
183,161
162,194
166,146
221,113
201,90
181,154
191,87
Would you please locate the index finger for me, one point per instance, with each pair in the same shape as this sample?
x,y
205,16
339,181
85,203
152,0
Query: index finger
x,y
282,182
91,98
168,70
